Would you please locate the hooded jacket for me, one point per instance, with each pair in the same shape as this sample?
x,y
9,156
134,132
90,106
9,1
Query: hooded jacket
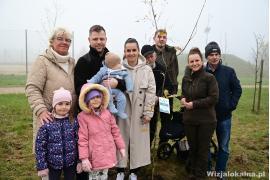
x,y
45,77
99,136
140,103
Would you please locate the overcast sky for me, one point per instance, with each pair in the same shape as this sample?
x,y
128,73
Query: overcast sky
x,y
232,23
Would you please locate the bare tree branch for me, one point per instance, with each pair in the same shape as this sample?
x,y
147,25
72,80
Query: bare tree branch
x,y
194,28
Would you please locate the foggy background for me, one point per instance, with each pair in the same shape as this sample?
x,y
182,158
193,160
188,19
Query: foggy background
x,y
231,23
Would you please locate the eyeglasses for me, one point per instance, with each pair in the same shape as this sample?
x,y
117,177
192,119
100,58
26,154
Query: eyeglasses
x,y
63,39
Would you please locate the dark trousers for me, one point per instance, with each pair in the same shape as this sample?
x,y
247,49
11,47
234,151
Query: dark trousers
x,y
153,124
199,137
164,118
82,176
69,173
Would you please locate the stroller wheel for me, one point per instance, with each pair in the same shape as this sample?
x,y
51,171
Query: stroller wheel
x,y
164,150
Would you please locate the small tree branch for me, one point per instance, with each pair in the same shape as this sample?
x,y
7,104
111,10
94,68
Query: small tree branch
x,y
194,28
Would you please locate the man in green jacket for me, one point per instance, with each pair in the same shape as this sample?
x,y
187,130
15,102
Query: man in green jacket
x,y
166,56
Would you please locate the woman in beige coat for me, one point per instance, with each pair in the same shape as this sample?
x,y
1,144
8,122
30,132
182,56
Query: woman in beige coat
x,y
140,109
51,70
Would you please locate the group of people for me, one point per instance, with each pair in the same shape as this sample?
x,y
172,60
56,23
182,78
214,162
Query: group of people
x,y
102,112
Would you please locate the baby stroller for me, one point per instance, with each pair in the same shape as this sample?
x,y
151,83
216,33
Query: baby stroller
x,y
174,130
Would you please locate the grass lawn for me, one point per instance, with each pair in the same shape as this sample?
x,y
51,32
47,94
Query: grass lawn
x,y
249,141
12,80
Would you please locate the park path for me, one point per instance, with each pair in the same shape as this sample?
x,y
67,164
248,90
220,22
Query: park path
x,y
20,89
12,90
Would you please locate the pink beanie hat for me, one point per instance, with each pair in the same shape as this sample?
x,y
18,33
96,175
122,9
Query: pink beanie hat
x,y
61,95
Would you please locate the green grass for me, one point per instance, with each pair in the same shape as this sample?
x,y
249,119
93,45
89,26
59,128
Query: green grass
x,y
12,80
249,141
16,138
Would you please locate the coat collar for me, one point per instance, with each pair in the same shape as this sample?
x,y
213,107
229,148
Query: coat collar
x,y
94,52
141,62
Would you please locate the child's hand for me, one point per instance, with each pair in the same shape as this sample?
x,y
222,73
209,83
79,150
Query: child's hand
x,y
123,153
43,172
86,166
79,168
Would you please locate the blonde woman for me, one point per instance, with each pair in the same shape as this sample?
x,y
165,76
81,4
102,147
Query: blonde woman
x,y
51,70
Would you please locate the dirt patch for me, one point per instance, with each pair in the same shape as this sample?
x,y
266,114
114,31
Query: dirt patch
x,y
13,69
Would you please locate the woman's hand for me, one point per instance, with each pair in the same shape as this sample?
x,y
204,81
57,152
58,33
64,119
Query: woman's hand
x,y
110,82
146,119
45,117
187,105
183,101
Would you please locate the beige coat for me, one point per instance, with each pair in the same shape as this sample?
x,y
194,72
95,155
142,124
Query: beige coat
x,y
45,77
140,102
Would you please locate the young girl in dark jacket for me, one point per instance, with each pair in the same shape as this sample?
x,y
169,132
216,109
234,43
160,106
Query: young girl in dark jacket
x,y
56,142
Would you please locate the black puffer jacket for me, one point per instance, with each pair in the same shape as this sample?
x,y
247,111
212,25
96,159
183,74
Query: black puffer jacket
x,y
86,67
201,88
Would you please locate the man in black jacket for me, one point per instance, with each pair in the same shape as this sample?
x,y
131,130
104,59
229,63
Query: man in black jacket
x,y
229,94
90,63
159,72
166,57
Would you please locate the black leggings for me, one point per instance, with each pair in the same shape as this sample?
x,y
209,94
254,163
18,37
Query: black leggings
x,y
69,173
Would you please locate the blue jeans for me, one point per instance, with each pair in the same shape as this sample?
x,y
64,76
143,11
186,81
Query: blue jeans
x,y
223,132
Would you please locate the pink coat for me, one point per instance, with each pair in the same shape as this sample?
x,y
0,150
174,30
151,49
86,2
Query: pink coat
x,y
99,137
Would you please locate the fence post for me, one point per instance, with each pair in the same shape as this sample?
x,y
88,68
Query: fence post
x,y
26,54
73,38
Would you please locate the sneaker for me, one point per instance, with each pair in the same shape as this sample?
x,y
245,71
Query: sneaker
x,y
120,176
132,176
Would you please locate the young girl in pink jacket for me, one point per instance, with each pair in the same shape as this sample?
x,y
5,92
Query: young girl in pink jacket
x,y
99,136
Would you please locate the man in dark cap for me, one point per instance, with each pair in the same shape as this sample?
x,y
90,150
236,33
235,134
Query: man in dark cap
x,y
159,72
229,94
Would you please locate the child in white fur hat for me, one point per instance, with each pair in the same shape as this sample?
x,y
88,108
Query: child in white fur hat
x,y
56,142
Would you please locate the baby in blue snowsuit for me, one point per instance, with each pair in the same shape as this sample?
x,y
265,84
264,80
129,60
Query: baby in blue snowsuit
x,y
114,69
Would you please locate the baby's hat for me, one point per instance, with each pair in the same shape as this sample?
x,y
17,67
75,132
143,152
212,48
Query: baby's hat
x,y
61,95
